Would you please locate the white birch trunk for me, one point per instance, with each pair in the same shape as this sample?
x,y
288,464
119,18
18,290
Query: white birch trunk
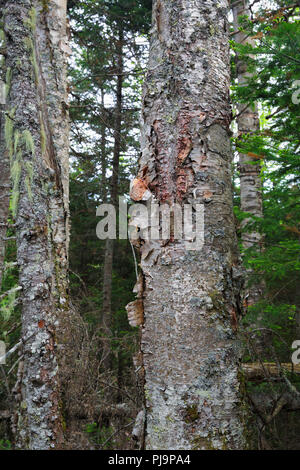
x,y
249,166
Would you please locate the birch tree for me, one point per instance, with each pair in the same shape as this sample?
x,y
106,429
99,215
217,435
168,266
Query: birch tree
x,y
191,299
36,134
249,165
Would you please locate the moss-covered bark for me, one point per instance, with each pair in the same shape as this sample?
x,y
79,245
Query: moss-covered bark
x,y
37,141
4,157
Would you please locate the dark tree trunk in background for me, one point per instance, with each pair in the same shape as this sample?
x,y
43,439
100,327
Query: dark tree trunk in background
x,y
37,128
109,246
191,299
103,152
106,305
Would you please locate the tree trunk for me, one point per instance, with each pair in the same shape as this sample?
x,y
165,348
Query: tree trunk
x,y
249,167
4,165
109,246
106,305
37,141
103,190
191,299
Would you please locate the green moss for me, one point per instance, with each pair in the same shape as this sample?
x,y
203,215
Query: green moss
x,y
14,144
2,36
8,81
28,43
63,424
30,47
14,201
49,220
30,22
28,141
159,431
7,307
28,187
170,419
29,170
16,170
212,30
8,75
23,405
35,66
16,140
147,394
169,119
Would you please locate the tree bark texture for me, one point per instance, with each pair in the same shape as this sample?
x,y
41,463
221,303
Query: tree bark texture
x,y
36,133
4,160
249,166
191,299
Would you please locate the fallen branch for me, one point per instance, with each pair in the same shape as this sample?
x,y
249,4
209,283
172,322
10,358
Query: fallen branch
x,y
258,371
11,291
10,352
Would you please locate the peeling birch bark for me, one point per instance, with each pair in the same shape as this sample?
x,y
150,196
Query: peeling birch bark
x,y
191,299
37,142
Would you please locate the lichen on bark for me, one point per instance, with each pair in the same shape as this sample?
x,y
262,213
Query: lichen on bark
x,y
37,111
5,76
191,352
